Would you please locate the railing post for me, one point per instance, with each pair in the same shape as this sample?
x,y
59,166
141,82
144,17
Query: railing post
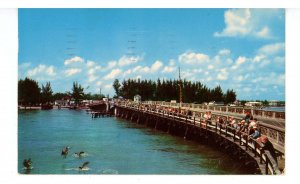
x,y
267,164
254,147
240,138
226,131
217,127
246,142
234,131
194,120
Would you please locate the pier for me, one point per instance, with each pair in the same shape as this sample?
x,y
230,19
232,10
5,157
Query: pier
x,y
186,120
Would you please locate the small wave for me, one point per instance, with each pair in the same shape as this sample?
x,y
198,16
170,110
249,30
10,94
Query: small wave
x,y
25,168
82,155
77,169
108,171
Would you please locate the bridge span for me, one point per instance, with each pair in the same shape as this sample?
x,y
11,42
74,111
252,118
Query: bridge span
x,y
190,124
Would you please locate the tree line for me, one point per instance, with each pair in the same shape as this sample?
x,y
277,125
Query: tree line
x,y
167,90
31,94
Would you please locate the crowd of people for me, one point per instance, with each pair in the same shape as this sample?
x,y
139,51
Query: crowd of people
x,y
248,126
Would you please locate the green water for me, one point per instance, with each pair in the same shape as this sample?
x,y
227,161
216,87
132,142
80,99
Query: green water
x,y
112,146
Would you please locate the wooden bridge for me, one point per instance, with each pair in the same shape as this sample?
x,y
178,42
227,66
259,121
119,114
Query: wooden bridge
x,y
193,126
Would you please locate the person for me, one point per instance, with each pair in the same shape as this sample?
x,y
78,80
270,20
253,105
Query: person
x,y
253,123
248,117
233,123
267,145
207,117
27,163
255,134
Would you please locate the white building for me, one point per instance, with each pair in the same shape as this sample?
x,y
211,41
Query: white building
x,y
253,104
273,103
137,98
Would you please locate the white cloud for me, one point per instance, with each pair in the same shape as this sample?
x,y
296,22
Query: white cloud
x,y
75,59
168,69
108,86
237,23
193,58
92,78
239,78
111,64
127,72
90,63
222,74
248,22
271,49
171,62
125,60
246,89
210,67
98,83
138,77
41,70
50,71
137,68
145,69
224,52
240,60
258,58
264,33
72,71
156,66
24,65
113,74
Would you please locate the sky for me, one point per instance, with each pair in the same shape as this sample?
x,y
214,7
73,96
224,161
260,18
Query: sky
x,y
239,49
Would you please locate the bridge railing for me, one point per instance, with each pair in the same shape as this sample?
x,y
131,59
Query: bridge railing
x,y
269,126
231,109
224,130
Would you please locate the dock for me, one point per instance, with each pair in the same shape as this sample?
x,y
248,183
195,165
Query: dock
x,y
193,126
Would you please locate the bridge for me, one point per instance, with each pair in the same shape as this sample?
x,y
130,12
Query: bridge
x,y
186,120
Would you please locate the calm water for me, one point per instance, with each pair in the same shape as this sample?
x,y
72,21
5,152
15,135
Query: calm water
x,y
113,146
277,109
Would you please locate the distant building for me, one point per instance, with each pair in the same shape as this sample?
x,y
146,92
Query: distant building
x,y
274,103
173,101
215,103
253,104
137,98
61,102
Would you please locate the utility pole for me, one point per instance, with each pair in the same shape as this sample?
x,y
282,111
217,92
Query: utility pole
x,y
180,91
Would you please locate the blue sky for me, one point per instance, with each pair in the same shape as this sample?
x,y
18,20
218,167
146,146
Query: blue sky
x,y
240,49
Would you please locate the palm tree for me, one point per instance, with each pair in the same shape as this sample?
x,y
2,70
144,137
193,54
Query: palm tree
x,y
77,92
47,94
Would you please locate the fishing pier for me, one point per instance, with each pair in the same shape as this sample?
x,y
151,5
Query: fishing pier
x,y
186,120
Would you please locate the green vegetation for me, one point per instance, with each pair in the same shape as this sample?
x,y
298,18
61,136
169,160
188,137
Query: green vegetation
x,y
77,92
30,94
46,94
166,90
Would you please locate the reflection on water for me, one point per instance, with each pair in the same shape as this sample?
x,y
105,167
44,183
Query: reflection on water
x,y
111,146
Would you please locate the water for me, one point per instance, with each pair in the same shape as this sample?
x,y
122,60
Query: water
x,y
112,146
276,109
